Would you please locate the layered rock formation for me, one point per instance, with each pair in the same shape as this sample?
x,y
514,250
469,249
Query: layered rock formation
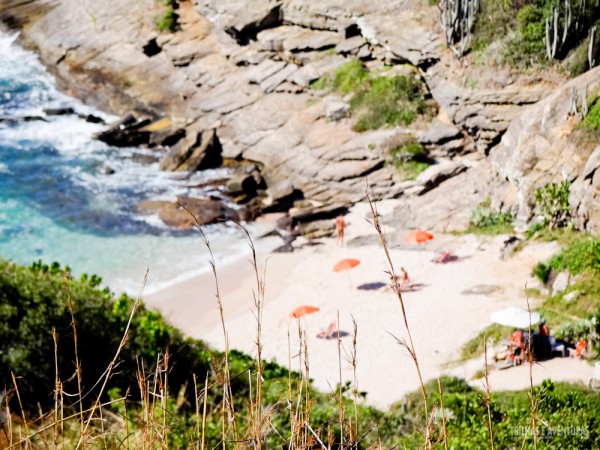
x,y
237,74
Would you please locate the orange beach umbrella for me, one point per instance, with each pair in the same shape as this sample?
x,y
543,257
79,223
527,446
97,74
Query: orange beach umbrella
x,y
345,264
303,310
417,237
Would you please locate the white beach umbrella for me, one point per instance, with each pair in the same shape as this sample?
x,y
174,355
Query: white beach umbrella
x,y
515,317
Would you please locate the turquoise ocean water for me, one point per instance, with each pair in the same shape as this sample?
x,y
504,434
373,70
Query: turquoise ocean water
x,y
57,204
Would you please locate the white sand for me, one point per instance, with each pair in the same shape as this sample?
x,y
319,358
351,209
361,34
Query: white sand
x,y
440,316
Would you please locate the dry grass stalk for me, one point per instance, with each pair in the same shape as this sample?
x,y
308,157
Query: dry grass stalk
x,y
23,417
58,406
257,418
353,362
27,439
443,413
410,347
113,362
77,364
340,393
534,401
488,395
228,408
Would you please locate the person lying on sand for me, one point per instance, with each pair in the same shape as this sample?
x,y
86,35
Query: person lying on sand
x,y
444,258
330,333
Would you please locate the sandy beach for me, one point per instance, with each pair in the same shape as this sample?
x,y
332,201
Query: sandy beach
x,y
451,303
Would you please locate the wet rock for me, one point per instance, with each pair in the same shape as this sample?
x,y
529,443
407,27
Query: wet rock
x,y
107,170
126,132
62,111
91,118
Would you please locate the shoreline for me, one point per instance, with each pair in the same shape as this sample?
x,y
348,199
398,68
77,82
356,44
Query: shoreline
x,y
447,309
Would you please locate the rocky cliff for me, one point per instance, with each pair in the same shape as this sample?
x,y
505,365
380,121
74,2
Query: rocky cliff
x,y
240,71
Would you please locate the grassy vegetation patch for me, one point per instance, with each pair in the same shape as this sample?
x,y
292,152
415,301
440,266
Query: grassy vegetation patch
x,y
492,334
376,100
486,220
166,21
591,121
560,407
410,159
387,101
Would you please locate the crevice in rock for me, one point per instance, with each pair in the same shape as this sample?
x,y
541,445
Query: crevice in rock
x,y
493,142
351,31
65,54
151,48
274,18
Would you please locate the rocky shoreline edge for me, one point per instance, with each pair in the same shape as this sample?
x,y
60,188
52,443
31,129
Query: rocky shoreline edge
x,y
231,85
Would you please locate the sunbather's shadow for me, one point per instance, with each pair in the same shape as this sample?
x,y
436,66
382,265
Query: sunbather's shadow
x,y
371,286
449,259
333,335
412,287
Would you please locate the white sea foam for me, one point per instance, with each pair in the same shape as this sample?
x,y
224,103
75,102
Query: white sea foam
x,y
27,233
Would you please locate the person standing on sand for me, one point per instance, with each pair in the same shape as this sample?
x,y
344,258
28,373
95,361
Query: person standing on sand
x,y
340,224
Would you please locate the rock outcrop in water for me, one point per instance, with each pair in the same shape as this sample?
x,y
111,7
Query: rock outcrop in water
x,y
233,81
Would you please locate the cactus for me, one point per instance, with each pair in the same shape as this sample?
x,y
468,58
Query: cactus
x,y
551,37
457,18
584,104
551,28
591,59
573,111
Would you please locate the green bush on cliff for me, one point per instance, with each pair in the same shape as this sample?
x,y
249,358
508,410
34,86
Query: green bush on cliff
x,y
376,101
591,121
387,100
552,200
410,159
486,220
166,21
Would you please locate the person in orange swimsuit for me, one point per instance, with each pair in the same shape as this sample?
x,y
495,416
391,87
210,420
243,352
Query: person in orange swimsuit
x,y
340,225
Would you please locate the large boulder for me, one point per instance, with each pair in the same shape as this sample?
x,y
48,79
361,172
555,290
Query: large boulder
x,y
197,151
126,132
187,212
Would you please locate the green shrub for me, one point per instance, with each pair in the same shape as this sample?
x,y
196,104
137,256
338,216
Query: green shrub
x,y
553,203
490,221
577,257
345,78
591,121
167,20
541,271
376,101
387,100
35,300
410,159
492,334
587,329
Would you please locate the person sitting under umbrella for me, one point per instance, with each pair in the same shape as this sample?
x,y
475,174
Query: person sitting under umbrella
x,y
517,346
